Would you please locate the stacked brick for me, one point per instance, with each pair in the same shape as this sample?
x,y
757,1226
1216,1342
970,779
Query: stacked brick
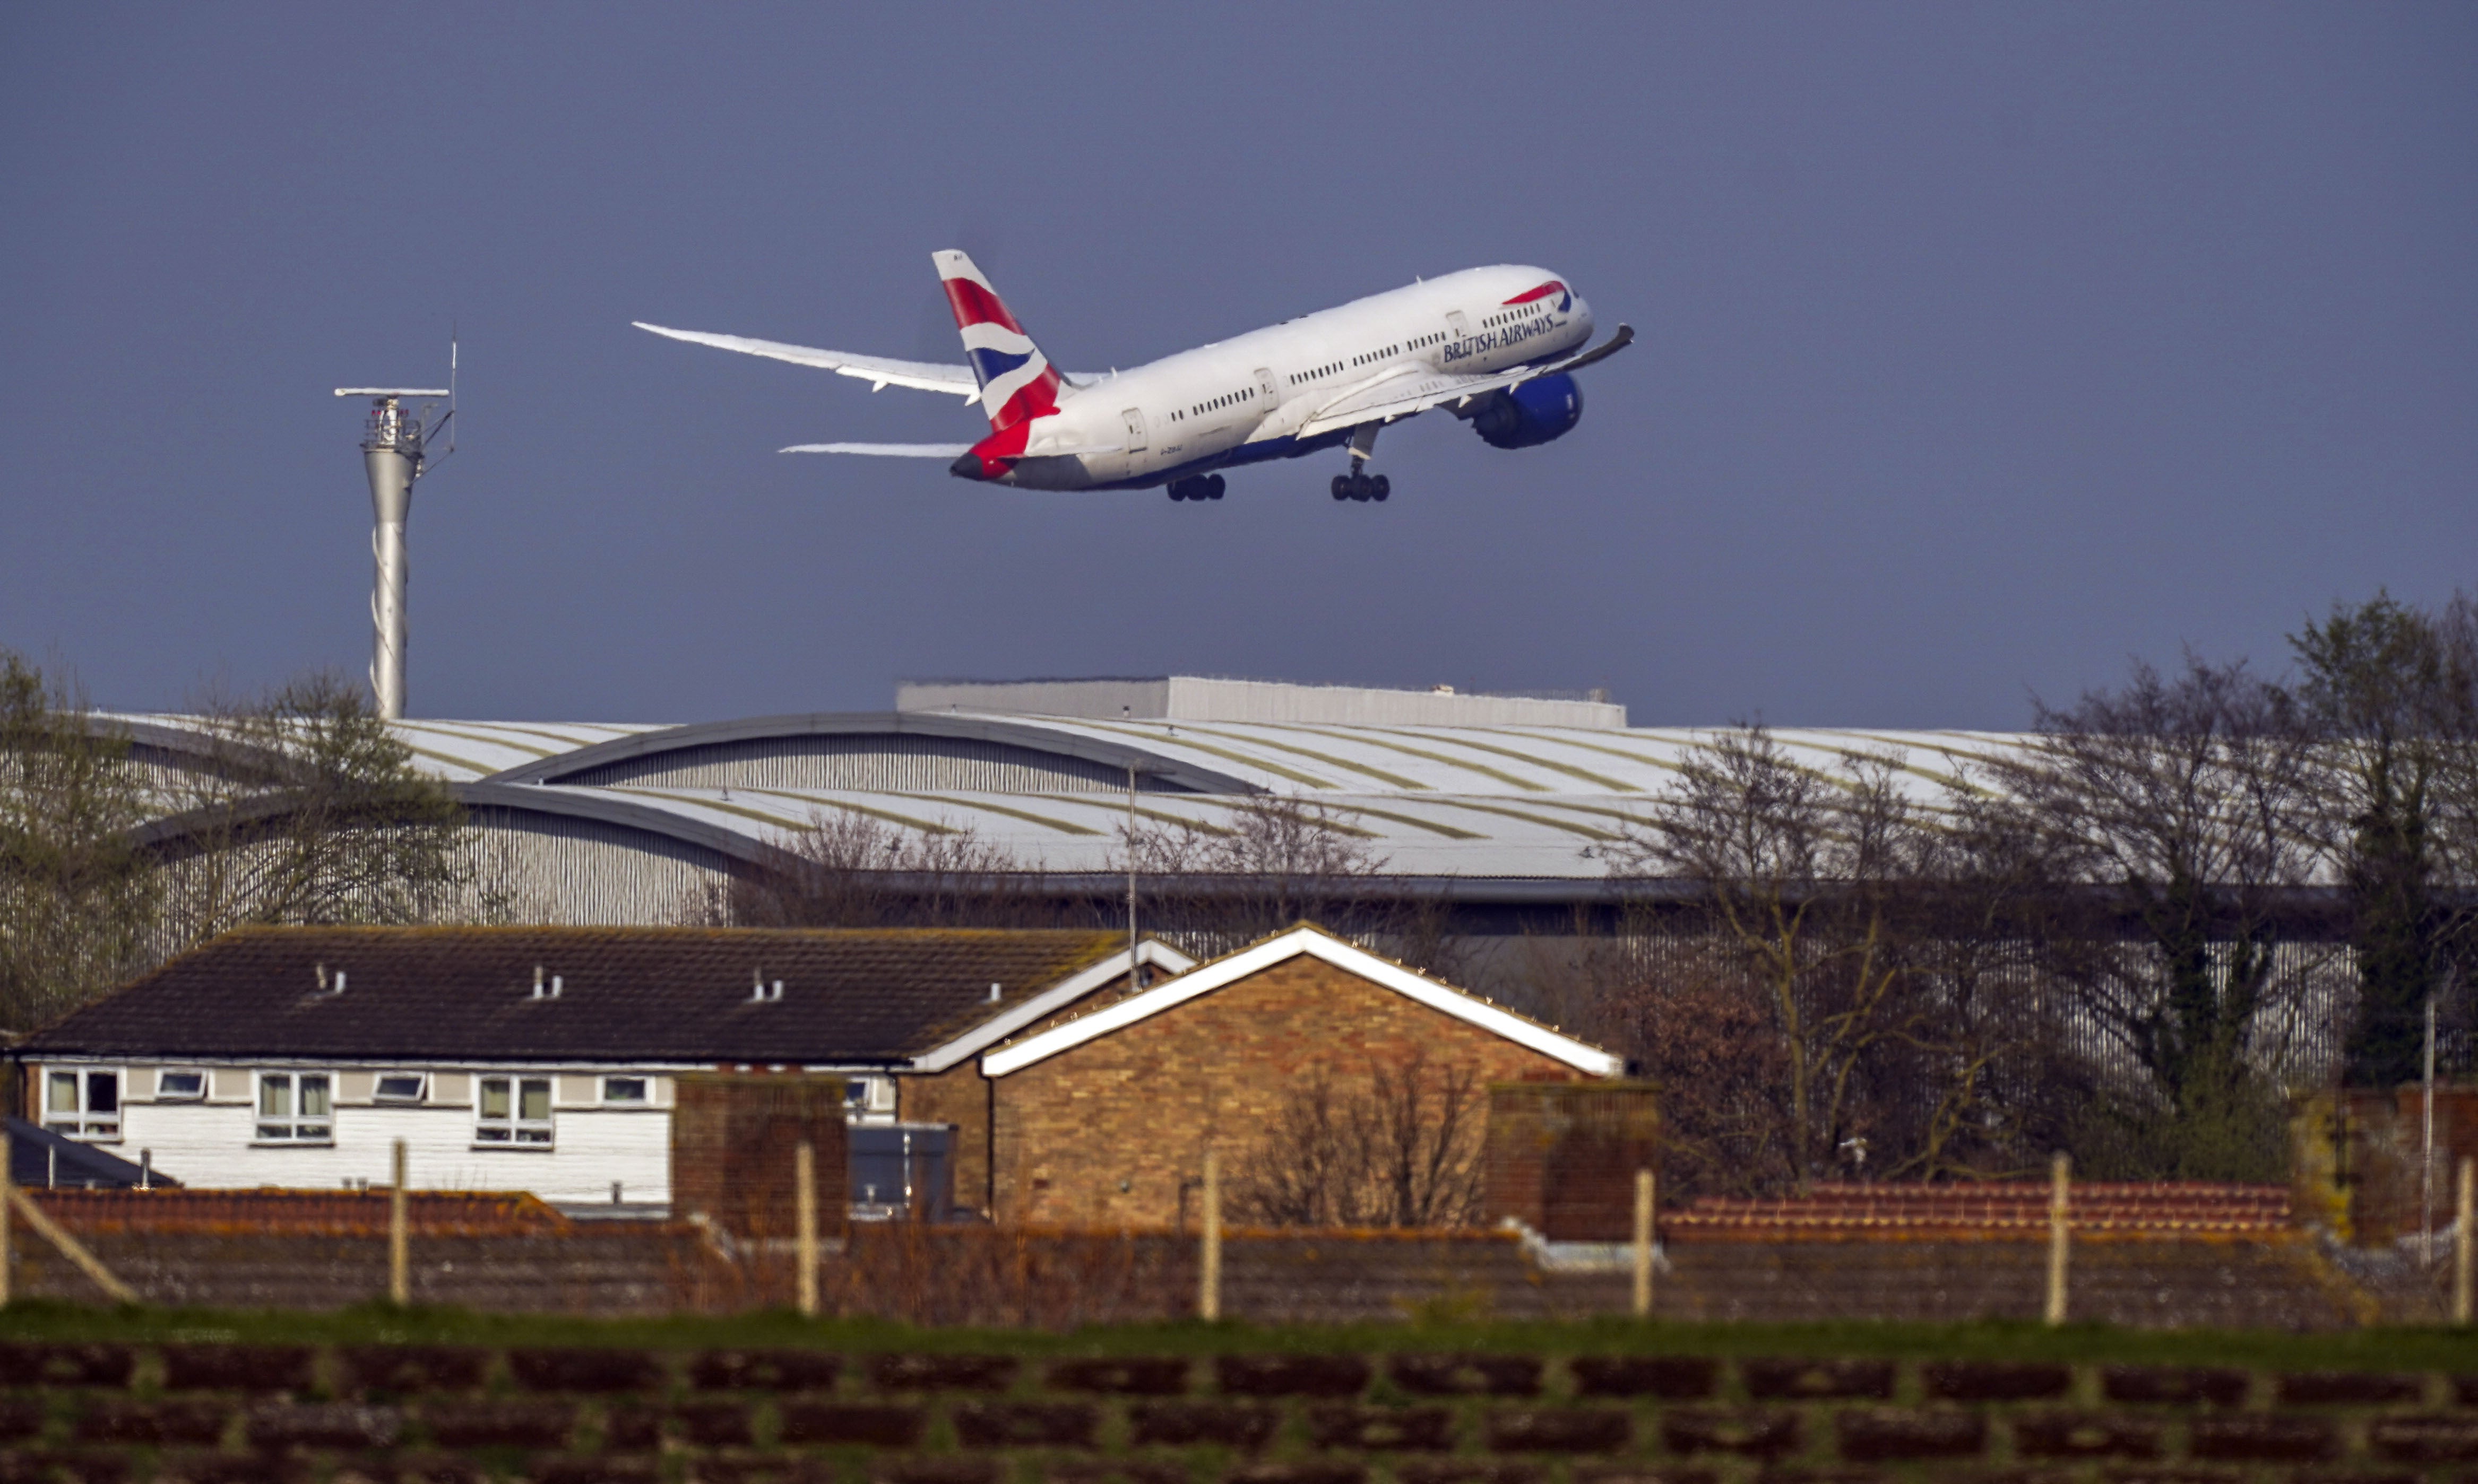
x,y
205,1413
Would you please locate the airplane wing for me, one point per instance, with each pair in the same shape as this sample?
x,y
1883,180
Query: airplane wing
x,y
879,371
887,450
1414,390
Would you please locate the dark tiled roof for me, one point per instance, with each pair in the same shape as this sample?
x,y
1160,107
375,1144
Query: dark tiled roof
x,y
466,993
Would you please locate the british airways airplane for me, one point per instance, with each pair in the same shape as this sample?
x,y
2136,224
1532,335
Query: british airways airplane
x,y
1497,347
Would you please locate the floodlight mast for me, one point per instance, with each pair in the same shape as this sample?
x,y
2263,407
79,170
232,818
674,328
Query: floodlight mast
x,y
395,454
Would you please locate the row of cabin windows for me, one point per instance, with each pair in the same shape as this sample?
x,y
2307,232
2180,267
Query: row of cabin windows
x,y
299,1107
1369,358
1226,399
1511,316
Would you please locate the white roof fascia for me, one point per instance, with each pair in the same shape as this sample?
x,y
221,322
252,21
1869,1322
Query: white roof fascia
x,y
1289,945
1160,955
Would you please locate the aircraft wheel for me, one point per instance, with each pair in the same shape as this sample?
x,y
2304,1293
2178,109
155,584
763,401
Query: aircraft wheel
x,y
1384,488
1175,492
1215,492
1363,487
1342,487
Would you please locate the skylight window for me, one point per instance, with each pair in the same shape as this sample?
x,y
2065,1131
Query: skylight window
x,y
400,1087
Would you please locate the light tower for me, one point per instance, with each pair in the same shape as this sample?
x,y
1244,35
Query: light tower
x,y
395,454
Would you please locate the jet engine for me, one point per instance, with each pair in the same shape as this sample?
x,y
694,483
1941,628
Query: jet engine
x,y
1529,414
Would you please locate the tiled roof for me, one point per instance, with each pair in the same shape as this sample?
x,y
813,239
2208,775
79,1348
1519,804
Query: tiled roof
x,y
466,993
2160,1209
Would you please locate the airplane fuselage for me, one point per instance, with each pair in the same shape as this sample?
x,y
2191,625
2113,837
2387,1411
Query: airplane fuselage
x,y
1246,400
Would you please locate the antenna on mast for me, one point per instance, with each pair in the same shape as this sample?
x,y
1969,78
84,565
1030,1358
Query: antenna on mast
x,y
395,454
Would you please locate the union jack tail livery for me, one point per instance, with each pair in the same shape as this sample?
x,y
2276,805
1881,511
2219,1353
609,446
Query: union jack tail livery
x,y
1018,383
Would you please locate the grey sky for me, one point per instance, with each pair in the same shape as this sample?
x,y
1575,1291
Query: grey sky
x,y
1981,345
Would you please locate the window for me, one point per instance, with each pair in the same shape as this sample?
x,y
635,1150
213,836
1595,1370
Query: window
x,y
296,1107
171,1085
84,1104
400,1087
512,1110
624,1092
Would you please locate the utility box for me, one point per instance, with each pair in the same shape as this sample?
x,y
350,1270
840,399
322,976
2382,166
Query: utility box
x,y
1562,1156
733,1143
902,1171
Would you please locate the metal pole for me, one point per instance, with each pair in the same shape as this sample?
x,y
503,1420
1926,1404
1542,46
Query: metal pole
x,y
391,456
399,1235
2426,1151
1643,1243
8,1187
2060,1175
804,1194
1133,983
1208,1285
2464,1240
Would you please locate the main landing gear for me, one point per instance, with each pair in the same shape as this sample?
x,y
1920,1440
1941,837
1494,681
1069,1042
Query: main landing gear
x,y
1202,487
1359,484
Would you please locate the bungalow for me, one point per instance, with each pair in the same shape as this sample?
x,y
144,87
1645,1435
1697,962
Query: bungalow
x,y
528,1058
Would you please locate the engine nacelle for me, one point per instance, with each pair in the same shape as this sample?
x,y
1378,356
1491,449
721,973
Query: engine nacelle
x,y
1530,414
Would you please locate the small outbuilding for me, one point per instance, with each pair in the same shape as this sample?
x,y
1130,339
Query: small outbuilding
x,y
1103,1117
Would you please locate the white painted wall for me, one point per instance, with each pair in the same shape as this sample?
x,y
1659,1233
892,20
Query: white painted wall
x,y
209,1144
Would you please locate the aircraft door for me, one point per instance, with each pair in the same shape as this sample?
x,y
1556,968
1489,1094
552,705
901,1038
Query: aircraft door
x,y
1135,419
1266,388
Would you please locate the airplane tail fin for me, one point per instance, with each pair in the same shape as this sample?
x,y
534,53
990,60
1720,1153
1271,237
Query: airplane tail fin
x,y
1018,382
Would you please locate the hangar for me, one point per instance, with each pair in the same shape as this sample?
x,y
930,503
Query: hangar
x,y
1503,806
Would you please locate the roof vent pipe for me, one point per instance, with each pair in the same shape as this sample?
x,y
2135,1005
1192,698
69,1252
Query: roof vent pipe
x,y
322,977
537,982
340,981
779,988
554,986
994,993
756,985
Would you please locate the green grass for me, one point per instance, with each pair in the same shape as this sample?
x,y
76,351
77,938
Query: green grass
x,y
2365,1349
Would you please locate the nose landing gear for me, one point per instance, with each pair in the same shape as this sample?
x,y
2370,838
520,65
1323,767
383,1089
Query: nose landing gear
x,y
1200,486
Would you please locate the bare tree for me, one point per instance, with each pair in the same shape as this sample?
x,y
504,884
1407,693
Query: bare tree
x,y
2182,807
1403,1148
1808,882
308,810
1266,864
847,869
77,899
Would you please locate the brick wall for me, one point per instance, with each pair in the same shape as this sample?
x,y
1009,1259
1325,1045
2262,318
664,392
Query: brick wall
x,y
959,1096
733,1143
1113,1132
212,1412
1562,1156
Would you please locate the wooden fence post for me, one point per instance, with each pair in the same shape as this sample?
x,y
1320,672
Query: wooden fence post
x,y
2059,1178
1208,1283
399,1235
2464,1208
804,1194
1643,1191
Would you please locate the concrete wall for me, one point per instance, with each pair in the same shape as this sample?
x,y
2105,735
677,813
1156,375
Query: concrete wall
x,y
1207,698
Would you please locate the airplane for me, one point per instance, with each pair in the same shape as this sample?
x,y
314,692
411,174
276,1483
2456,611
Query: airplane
x,y
1495,346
